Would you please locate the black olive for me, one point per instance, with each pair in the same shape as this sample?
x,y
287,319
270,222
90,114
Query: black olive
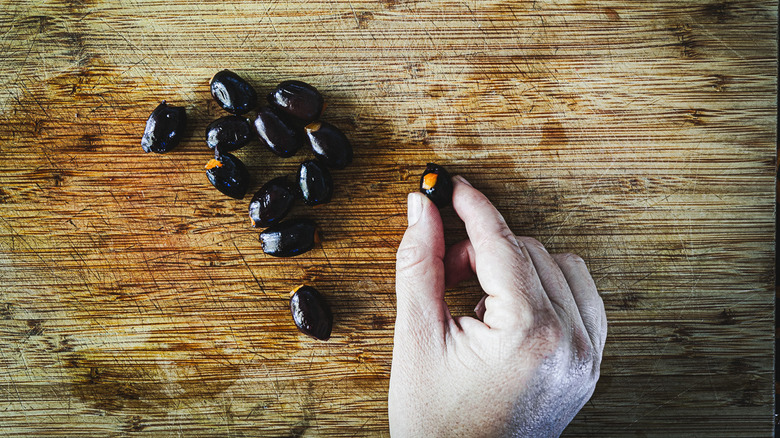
x,y
280,136
329,144
229,175
297,99
164,128
233,94
311,313
289,238
229,133
272,202
315,183
436,183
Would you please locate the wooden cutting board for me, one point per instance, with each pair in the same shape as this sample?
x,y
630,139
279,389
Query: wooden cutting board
x,y
135,298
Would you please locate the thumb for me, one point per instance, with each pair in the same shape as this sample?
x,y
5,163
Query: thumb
x,y
419,277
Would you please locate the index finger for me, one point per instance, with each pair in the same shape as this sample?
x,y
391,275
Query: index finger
x,y
504,270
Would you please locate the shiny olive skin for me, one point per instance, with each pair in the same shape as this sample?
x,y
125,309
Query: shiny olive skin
x,y
164,128
311,313
289,238
441,191
272,202
329,144
297,99
315,183
229,133
278,134
231,178
232,93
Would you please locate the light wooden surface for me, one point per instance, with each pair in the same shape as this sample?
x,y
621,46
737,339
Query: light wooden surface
x,y
136,301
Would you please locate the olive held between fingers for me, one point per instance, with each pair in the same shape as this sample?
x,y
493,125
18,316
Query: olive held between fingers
x,y
436,183
229,175
233,94
229,133
289,238
311,313
315,183
329,144
272,202
297,99
278,134
164,128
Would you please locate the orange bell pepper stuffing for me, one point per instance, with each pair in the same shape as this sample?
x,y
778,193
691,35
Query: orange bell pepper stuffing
x,y
213,163
429,181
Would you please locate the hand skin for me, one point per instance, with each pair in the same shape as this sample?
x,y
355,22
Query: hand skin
x,y
529,360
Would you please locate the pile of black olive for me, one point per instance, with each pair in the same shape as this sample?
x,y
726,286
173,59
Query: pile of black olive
x,y
290,121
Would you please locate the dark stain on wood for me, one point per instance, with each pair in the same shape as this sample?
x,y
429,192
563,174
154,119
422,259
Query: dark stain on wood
x,y
135,424
727,317
35,327
298,430
137,384
719,82
695,116
64,345
611,14
629,300
720,11
113,389
554,136
392,4
686,40
681,335
6,311
380,322
364,19
89,142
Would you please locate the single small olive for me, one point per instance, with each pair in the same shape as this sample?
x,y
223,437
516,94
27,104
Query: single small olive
x,y
329,144
232,93
436,183
315,183
297,99
311,313
164,128
289,238
278,135
229,133
229,175
272,202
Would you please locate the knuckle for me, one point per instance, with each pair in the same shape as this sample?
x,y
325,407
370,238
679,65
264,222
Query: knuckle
x,y
506,234
569,259
523,322
584,351
530,241
591,316
582,355
409,256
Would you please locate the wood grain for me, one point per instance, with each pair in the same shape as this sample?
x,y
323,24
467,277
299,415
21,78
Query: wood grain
x,y
136,300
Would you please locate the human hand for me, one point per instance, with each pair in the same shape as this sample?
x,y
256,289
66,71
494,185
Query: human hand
x,y
529,361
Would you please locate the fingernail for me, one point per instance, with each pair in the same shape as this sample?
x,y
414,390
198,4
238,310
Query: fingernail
x,y
414,208
463,180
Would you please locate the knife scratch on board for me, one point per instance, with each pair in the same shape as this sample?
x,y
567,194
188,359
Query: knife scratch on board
x,y
257,280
